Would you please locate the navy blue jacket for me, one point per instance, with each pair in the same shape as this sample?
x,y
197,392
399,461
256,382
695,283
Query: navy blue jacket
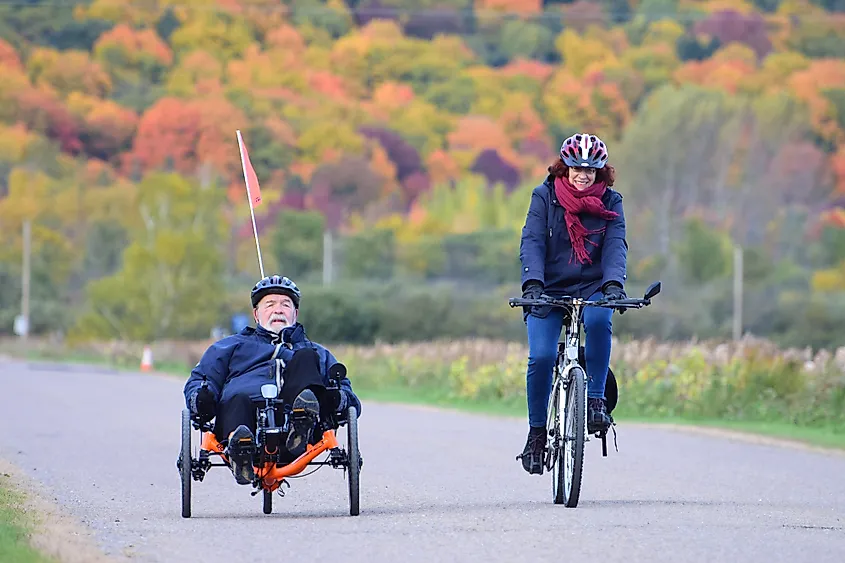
x,y
243,362
545,249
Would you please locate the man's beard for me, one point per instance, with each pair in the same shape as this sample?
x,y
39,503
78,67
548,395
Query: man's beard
x,y
277,328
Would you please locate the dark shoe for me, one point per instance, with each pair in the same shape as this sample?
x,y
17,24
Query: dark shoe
x,y
535,448
238,450
597,417
306,412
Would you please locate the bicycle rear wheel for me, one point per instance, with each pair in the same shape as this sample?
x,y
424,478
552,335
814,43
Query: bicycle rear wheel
x,y
570,463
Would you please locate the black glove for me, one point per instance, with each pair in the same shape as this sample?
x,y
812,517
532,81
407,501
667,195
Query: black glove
x,y
532,290
612,291
337,400
203,404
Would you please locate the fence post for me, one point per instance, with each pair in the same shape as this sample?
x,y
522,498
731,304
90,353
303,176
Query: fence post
x,y
25,278
738,275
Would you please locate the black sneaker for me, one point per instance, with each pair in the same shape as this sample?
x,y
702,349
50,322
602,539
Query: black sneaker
x,y
597,417
306,412
239,448
535,448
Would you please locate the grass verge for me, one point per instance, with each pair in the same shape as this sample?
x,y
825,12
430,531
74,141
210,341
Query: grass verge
x,y
15,527
422,394
818,437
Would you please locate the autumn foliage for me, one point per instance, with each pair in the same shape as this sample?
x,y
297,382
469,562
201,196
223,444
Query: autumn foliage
x,y
421,99
377,112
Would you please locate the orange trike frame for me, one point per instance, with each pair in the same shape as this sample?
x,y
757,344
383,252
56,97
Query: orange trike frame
x,y
272,475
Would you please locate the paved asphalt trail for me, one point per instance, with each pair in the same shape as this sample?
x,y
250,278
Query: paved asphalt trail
x,y
436,486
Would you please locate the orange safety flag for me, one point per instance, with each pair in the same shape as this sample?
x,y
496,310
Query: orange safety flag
x,y
252,187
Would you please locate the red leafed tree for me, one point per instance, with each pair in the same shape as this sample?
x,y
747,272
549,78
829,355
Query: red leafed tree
x,y
348,185
519,6
328,84
9,57
184,135
490,165
532,69
729,25
167,135
414,185
582,14
42,112
800,175
401,153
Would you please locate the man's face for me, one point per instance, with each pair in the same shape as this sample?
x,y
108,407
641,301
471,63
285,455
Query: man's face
x,y
275,312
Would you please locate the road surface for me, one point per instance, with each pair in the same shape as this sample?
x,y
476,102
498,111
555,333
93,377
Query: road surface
x,y
435,486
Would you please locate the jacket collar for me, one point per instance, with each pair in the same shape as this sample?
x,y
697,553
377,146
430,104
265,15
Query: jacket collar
x,y
293,334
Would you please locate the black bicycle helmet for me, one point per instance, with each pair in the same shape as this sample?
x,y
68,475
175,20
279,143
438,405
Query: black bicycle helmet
x,y
275,285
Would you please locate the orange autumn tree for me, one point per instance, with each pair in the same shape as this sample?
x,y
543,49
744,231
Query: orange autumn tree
x,y
186,135
808,85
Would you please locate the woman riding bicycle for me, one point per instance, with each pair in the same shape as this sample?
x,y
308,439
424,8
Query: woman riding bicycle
x,y
573,243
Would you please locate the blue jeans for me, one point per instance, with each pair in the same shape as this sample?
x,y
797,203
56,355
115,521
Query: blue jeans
x,y
543,336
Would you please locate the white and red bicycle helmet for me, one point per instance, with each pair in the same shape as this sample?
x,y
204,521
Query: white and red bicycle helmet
x,y
584,151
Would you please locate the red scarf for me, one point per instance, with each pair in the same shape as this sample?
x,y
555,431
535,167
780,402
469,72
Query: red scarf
x,y
575,201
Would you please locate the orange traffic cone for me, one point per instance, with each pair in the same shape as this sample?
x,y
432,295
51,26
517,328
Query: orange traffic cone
x,y
147,359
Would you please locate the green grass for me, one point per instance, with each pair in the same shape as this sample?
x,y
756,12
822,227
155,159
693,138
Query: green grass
x,y
14,528
821,437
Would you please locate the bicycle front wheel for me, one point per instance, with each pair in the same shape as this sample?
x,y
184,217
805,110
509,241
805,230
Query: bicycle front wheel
x,y
570,463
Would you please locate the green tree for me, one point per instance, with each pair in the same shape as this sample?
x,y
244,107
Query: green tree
x,y
369,255
298,242
703,252
676,155
171,282
105,243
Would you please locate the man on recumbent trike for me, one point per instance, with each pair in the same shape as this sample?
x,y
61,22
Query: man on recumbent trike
x,y
226,383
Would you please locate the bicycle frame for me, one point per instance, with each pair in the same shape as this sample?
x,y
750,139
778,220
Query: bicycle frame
x,y
566,485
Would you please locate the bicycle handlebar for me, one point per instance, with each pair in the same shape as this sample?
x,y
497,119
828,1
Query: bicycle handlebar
x,y
568,300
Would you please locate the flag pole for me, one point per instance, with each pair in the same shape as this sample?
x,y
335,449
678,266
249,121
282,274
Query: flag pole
x,y
251,210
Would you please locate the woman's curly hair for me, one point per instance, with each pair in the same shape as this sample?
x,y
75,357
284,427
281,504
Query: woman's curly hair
x,y
607,174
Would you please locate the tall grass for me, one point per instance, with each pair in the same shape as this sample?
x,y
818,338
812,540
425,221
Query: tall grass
x,y
749,380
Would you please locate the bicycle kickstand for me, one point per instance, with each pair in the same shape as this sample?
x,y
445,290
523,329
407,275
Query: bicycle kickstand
x,y
603,436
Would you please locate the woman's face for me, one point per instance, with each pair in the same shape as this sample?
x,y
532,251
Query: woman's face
x,y
582,178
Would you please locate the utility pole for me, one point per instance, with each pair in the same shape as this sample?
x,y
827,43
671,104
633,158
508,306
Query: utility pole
x,y
27,250
738,275
328,254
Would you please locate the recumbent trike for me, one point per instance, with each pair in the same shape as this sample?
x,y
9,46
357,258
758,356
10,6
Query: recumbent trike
x,y
272,468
